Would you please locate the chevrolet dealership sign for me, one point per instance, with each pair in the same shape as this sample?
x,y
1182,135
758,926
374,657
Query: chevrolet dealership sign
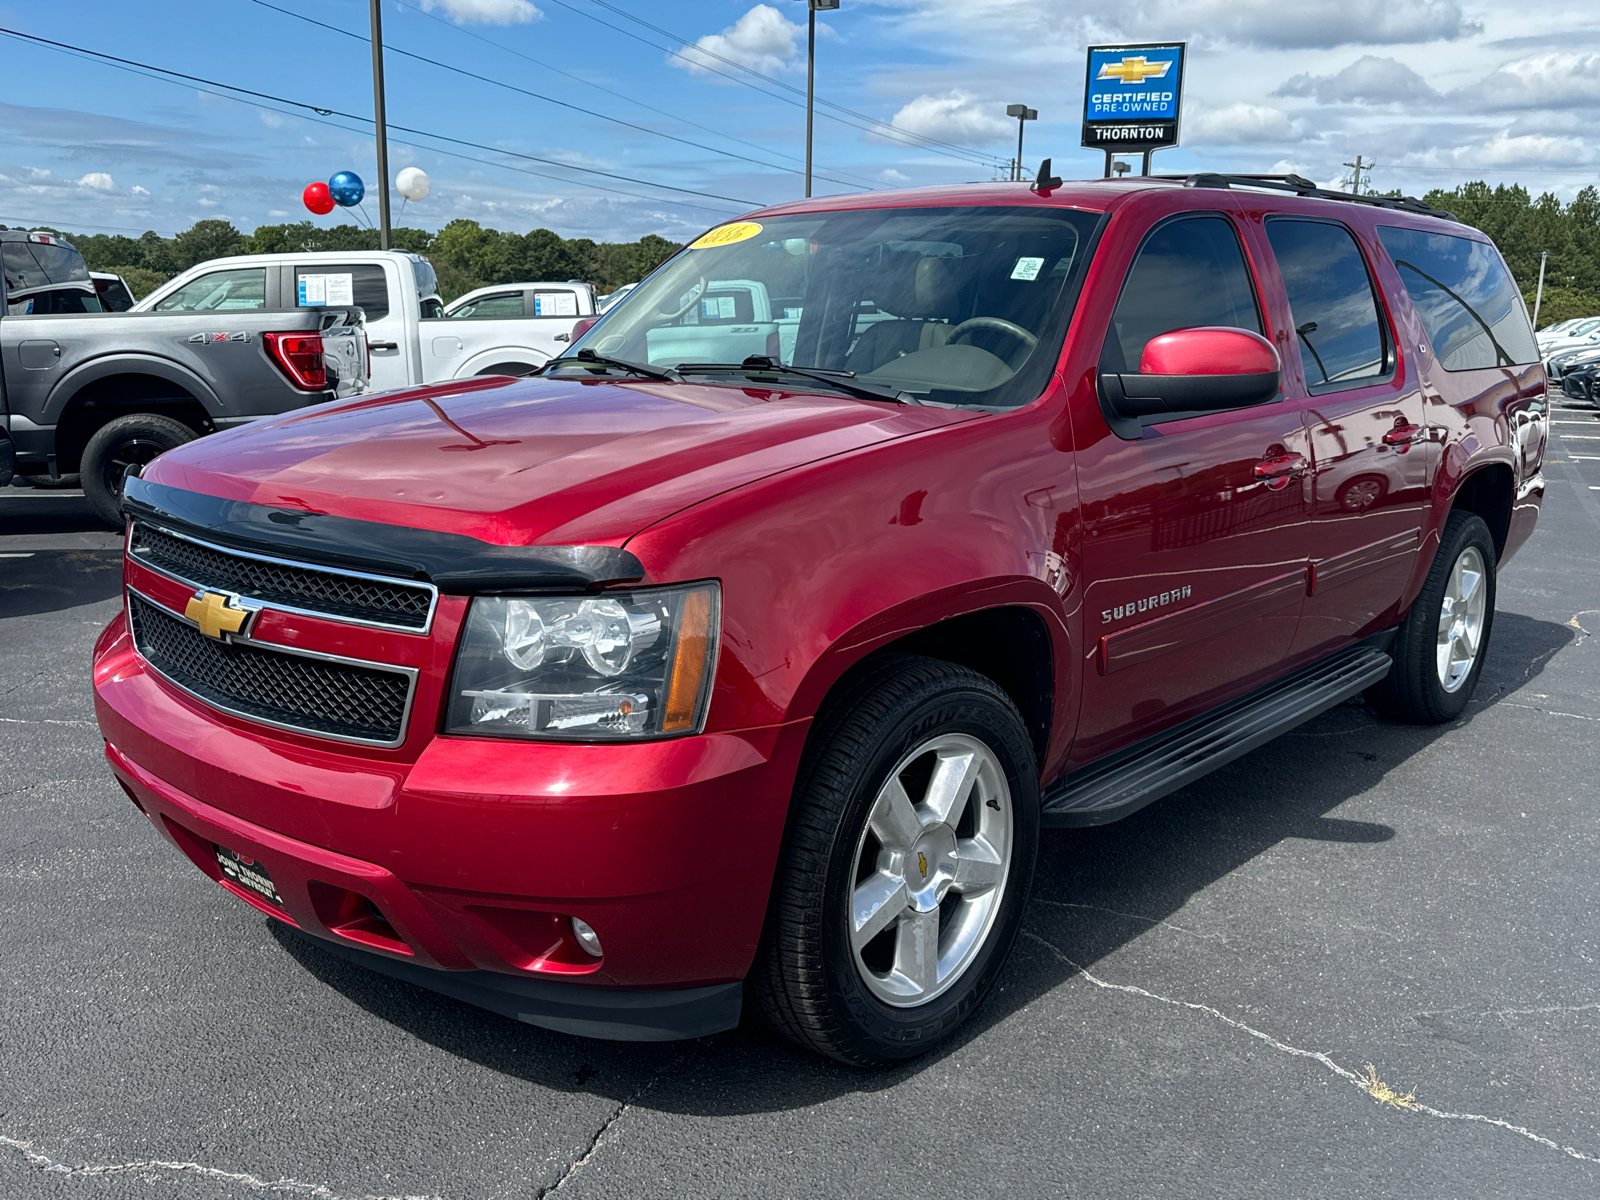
x,y
1133,96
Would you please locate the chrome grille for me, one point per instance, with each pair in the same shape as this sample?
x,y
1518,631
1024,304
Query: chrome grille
x,y
345,596
311,694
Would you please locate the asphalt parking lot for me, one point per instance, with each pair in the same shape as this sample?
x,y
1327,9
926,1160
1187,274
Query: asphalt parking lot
x,y
1191,1011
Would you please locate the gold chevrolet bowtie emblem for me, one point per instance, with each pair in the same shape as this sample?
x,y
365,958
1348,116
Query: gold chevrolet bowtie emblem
x,y
214,614
1134,70
922,863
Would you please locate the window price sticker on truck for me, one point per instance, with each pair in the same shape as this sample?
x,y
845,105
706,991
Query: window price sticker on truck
x,y
316,291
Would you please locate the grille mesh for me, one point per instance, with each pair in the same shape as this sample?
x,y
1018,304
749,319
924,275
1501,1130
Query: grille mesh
x,y
330,592
305,693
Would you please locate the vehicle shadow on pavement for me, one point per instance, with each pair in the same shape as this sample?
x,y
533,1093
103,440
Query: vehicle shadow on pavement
x,y
1095,891
52,580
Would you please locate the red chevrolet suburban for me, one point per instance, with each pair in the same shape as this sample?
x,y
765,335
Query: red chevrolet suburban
x,y
745,652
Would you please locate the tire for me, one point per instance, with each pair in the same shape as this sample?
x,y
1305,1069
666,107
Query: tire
x,y
1437,655
117,445
871,999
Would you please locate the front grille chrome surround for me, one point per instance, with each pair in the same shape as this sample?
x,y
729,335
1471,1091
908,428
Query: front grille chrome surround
x,y
302,691
308,589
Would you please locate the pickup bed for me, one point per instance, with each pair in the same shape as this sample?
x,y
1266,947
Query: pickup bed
x,y
414,339
98,393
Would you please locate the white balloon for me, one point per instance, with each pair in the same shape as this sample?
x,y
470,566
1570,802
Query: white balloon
x,y
412,183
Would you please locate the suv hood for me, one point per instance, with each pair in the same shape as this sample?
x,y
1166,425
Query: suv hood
x,y
530,461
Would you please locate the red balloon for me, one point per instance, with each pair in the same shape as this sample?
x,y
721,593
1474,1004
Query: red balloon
x,y
318,199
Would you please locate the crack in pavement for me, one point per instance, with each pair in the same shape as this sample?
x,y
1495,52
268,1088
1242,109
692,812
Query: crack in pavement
x,y
1116,912
593,1147
1509,1012
1365,1083
44,721
317,1191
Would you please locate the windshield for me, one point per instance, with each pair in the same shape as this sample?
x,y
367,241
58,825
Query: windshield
x,y
960,306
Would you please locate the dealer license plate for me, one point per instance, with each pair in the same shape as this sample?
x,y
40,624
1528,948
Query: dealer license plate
x,y
251,876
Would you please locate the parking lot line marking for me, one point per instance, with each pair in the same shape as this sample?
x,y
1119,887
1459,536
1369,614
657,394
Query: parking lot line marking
x,y
16,554
1368,1083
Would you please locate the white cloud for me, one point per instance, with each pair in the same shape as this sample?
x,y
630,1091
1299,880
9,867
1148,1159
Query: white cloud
x,y
1241,124
140,191
98,180
763,40
890,175
486,12
955,116
1313,23
1555,79
1368,80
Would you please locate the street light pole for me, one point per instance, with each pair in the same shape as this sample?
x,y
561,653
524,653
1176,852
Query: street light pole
x,y
1538,296
811,71
380,125
1023,114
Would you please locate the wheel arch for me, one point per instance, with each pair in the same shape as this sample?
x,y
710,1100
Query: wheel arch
x,y
99,394
1490,492
502,356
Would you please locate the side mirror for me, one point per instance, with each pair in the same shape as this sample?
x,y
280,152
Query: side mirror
x,y
1188,371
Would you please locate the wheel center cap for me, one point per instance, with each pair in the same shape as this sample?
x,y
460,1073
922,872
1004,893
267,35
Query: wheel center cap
x,y
930,867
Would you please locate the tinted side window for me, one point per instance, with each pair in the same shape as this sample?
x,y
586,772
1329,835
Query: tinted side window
x,y
1330,298
245,288
501,304
332,285
1189,272
39,264
1465,297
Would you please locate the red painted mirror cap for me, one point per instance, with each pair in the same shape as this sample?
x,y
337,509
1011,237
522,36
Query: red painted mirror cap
x,y
1208,350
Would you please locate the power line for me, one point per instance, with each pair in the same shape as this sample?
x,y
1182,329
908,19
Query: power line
x,y
328,112
884,129
623,96
698,49
392,49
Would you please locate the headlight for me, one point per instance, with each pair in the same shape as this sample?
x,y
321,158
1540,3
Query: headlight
x,y
618,665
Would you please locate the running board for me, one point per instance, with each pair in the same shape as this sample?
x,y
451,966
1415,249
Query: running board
x,y
1124,782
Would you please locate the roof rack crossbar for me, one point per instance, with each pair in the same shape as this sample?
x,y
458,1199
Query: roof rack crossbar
x,y
1301,186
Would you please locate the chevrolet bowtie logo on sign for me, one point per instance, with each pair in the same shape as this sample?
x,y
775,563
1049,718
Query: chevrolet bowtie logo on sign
x,y
215,614
1134,70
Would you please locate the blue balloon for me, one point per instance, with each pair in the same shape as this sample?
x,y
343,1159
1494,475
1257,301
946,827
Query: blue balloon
x,y
346,189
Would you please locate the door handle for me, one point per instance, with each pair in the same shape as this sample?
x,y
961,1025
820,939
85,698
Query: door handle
x,y
384,345
562,337
1279,470
1403,435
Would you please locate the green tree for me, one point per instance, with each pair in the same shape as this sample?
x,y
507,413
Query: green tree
x,y
205,240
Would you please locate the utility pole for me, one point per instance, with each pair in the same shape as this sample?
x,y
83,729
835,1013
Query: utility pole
x,y
1359,166
1538,295
381,127
1023,114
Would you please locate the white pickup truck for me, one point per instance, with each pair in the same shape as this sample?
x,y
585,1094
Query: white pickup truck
x,y
412,339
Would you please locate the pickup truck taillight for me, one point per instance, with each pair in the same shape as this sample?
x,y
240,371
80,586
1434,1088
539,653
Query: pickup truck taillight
x,y
299,357
583,327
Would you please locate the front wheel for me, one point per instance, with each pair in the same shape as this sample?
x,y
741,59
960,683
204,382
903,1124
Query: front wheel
x,y
1440,647
908,867
130,441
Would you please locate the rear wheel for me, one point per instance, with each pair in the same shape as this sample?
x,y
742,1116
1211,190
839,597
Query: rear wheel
x,y
908,865
130,441
1440,647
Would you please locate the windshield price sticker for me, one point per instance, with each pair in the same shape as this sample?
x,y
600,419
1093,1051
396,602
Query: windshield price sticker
x,y
318,291
1133,96
1027,268
726,235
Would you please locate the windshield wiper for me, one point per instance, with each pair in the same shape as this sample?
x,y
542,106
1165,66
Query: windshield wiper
x,y
590,358
845,381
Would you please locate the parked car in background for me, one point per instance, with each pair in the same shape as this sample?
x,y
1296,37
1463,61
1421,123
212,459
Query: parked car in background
x,y
1578,378
412,340
682,675
96,393
606,301
113,290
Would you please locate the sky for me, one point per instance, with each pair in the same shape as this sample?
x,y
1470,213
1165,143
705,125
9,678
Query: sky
x,y
612,119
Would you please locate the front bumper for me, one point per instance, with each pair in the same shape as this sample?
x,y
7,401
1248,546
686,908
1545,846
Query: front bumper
x,y
460,870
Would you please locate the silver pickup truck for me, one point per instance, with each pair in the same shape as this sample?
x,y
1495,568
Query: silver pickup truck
x,y
82,390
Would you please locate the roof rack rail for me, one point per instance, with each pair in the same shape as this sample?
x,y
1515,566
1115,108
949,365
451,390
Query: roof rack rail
x,y
1301,186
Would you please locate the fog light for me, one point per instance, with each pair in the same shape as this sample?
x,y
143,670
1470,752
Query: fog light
x,y
587,937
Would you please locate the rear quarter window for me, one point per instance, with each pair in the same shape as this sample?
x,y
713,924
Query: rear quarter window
x,y
1465,298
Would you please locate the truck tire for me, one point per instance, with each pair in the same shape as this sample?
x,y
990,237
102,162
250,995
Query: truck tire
x,y
907,867
117,445
1441,645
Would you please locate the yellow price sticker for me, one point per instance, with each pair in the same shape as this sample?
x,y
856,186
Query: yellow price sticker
x,y
726,235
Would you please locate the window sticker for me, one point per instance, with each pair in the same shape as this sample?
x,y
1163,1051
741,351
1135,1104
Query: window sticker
x,y
316,291
555,304
726,235
1027,268
719,308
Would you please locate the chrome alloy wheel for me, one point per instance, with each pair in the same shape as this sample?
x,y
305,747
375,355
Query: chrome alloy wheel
x,y
1461,619
930,870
